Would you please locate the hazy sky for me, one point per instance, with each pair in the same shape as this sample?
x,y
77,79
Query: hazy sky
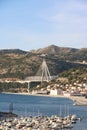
x,y
33,24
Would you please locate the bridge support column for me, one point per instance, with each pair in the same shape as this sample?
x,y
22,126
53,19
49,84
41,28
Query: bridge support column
x,y
28,87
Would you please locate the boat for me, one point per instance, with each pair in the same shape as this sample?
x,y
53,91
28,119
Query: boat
x,y
68,126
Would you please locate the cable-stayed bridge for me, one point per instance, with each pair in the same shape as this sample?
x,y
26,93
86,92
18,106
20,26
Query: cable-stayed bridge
x,y
42,74
38,78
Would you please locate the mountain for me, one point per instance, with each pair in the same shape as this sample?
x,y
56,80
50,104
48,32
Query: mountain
x,y
64,53
55,50
15,63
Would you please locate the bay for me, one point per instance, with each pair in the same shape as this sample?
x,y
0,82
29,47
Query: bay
x,y
26,105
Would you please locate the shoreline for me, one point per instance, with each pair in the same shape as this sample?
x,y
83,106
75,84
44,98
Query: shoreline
x,y
28,94
79,100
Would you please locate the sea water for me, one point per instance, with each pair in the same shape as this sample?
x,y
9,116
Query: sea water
x,y
27,105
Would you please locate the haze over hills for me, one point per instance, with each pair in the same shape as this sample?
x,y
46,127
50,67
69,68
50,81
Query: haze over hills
x,y
20,64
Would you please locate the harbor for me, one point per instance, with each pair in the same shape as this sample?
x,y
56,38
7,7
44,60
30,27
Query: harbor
x,y
39,123
33,111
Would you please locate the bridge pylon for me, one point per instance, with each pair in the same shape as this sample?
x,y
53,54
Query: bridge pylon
x,y
43,72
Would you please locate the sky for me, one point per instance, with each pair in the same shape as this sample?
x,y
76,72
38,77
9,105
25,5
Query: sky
x,y
34,24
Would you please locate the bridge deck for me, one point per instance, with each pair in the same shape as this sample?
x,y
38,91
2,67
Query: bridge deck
x,y
39,78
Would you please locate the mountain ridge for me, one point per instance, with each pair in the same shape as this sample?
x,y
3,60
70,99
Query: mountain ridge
x,y
51,49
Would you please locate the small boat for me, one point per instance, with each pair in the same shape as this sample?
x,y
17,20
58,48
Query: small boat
x,y
68,126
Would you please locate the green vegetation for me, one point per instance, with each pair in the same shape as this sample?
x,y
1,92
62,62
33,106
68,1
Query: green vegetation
x,y
78,75
12,87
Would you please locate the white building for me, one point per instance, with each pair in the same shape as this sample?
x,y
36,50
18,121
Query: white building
x,y
55,92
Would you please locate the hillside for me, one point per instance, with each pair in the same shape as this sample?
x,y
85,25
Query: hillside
x,y
75,75
64,53
20,64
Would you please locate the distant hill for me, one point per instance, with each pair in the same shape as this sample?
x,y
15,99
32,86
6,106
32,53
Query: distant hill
x,y
9,51
15,63
55,50
64,53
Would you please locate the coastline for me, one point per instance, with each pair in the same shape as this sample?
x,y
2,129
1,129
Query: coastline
x,y
80,100
28,94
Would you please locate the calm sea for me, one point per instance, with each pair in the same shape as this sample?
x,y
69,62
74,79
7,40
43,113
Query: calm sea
x,y
25,105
